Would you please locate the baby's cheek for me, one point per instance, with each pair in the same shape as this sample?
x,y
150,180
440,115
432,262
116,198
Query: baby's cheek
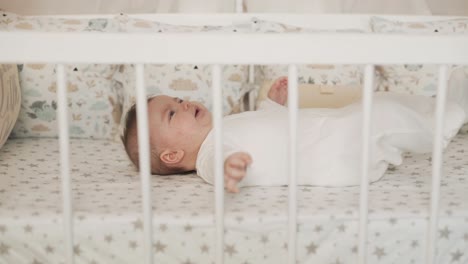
x,y
184,124
185,128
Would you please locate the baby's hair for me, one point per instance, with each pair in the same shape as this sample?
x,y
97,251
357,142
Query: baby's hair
x,y
130,141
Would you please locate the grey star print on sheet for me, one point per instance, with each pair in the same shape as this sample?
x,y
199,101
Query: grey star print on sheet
x,y
108,224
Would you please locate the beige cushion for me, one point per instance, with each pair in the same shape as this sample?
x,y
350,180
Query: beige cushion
x,y
10,100
319,96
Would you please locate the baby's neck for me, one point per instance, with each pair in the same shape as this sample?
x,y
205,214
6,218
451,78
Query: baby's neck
x,y
192,151
190,160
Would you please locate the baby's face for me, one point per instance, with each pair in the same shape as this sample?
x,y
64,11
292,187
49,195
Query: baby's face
x,y
178,124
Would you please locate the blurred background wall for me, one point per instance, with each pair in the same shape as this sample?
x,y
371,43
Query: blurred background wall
x,y
422,7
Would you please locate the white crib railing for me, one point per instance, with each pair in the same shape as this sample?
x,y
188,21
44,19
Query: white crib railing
x,y
292,49
366,132
64,144
144,160
292,184
437,163
219,168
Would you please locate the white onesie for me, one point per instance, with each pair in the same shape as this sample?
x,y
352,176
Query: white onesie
x,y
329,140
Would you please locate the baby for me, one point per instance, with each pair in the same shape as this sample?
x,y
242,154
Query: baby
x,y
255,143
177,131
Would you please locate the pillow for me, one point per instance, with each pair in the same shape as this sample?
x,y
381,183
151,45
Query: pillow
x,y
188,82
10,100
94,107
410,78
317,77
323,74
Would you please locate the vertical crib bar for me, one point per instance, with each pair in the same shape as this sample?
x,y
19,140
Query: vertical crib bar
x,y
251,82
437,164
239,6
62,112
366,132
219,166
293,109
144,161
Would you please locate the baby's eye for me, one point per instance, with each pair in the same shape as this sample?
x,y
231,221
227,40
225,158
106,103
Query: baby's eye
x,y
171,114
180,100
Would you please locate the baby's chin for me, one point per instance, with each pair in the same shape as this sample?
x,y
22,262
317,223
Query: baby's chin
x,y
208,122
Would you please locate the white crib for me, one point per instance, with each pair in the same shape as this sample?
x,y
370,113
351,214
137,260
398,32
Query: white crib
x,y
255,49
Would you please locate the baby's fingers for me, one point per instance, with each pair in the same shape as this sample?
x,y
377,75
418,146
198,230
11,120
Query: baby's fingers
x,y
284,79
238,163
237,174
231,186
239,160
246,158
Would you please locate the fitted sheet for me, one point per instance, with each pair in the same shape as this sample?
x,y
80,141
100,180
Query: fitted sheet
x,y
108,221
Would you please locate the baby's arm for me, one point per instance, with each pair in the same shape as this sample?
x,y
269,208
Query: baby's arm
x,y
235,169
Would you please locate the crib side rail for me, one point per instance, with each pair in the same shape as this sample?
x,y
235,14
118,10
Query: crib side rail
x,y
220,49
293,48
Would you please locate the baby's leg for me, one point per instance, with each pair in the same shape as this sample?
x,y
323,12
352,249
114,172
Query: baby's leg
x,y
422,108
423,105
457,93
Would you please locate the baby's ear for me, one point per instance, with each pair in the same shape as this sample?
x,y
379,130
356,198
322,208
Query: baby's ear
x,y
172,156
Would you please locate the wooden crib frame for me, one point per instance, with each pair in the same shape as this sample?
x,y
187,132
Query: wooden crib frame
x,y
288,49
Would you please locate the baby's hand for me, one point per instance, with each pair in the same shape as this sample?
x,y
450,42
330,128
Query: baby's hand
x,y
235,168
279,91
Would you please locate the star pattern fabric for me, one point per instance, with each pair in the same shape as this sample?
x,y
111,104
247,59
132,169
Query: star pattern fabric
x,y
109,227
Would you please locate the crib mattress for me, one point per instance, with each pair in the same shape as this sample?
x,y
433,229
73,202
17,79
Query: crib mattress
x,y
108,220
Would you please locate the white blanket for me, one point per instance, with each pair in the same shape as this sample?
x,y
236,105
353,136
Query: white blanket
x,y
329,140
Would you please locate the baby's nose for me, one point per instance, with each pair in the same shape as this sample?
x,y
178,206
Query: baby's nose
x,y
186,105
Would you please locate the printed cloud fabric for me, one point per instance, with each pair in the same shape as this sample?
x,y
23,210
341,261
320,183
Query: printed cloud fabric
x,y
412,78
93,104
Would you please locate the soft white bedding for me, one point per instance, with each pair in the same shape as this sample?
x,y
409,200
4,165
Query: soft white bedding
x,y
108,222
329,140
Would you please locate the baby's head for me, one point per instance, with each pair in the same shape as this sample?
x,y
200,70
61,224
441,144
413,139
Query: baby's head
x,y
177,129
